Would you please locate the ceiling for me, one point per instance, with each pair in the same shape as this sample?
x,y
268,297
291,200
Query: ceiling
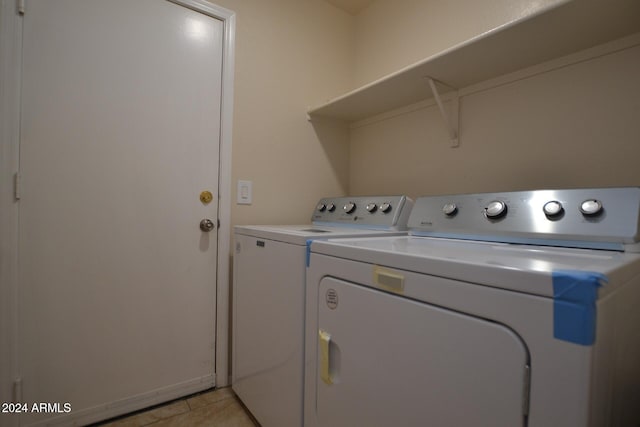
x,y
352,7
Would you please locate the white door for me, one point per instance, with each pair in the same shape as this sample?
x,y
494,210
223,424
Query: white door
x,y
119,136
384,360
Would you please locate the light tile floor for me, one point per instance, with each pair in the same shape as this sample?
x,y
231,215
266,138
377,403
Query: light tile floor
x,y
216,408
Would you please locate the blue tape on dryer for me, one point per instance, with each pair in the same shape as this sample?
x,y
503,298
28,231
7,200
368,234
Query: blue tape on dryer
x,y
574,305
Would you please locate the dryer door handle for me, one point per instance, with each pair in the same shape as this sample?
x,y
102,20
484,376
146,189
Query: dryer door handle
x,y
325,342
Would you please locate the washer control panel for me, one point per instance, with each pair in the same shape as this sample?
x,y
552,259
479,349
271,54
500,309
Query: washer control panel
x,y
386,212
605,217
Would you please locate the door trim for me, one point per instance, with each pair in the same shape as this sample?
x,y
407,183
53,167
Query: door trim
x,y
11,26
228,18
10,82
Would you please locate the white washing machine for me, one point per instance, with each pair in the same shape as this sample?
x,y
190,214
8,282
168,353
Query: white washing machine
x,y
503,309
268,299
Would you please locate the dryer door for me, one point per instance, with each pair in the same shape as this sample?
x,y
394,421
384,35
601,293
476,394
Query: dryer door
x,y
385,360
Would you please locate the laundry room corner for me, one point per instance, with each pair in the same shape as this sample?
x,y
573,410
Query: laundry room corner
x,y
320,213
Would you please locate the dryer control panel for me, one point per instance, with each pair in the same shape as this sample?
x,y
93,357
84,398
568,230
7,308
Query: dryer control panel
x,y
597,218
384,212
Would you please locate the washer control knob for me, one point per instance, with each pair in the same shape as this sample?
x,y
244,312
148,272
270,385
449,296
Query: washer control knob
x,y
372,207
321,207
591,207
331,207
450,209
496,209
552,208
385,207
349,207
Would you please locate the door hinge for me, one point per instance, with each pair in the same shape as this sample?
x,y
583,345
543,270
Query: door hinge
x,y
21,6
17,390
16,186
526,390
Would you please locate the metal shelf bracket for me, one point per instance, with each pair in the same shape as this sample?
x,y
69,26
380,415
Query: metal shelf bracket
x,y
452,123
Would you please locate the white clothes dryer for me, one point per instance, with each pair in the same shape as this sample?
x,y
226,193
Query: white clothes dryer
x,y
268,299
502,309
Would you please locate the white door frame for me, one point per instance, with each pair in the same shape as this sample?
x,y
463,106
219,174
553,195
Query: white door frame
x,y
228,18
10,102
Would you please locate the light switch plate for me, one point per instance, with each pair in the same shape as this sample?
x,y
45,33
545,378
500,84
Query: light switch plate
x,y
245,192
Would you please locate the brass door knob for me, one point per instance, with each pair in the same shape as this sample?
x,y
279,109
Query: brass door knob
x,y
206,197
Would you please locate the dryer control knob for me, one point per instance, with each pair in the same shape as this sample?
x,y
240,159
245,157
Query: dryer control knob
x,y
331,207
450,209
591,207
385,207
552,208
321,207
349,207
372,207
496,209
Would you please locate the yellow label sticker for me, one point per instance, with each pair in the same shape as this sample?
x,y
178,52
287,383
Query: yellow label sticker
x,y
388,279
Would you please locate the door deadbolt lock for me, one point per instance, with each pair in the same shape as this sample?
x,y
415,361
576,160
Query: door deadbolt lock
x,y
206,225
206,197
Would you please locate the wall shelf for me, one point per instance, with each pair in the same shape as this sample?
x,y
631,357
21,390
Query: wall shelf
x,y
559,31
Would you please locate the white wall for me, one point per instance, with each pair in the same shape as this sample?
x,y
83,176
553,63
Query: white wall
x,y
289,54
576,126
573,126
392,34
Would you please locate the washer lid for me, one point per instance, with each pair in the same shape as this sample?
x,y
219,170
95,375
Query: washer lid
x,y
299,234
